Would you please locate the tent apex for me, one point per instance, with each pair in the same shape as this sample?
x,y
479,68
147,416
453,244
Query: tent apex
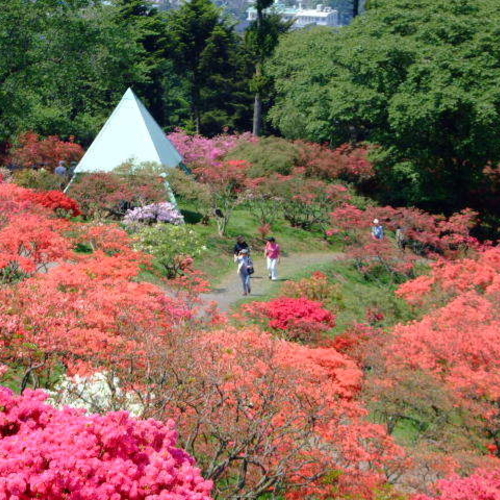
x,y
129,94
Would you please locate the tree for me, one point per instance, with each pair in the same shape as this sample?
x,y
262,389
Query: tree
x,y
224,182
70,63
416,79
31,151
206,53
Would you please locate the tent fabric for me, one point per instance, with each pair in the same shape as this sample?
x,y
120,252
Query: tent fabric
x,y
130,133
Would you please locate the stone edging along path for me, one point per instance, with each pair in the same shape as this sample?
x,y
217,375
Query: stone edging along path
x,y
229,291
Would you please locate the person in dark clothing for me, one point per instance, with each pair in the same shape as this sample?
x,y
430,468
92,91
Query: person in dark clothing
x,y
241,244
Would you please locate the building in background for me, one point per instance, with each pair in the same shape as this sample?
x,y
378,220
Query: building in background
x,y
320,16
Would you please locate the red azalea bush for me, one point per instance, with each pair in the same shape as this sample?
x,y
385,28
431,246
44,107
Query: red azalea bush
x,y
111,195
32,151
33,242
56,201
424,233
479,273
276,414
441,373
53,454
296,318
347,162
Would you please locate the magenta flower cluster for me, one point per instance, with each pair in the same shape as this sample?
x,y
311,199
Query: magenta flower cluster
x,y
53,454
156,212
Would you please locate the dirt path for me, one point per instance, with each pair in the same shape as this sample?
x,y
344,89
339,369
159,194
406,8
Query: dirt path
x,y
229,291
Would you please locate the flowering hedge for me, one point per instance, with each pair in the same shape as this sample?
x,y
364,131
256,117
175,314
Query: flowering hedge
x,y
52,454
155,212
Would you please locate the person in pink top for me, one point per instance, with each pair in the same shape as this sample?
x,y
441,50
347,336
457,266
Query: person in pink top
x,y
272,253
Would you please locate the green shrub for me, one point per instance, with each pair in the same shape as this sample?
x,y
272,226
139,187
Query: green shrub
x,y
268,155
173,247
38,179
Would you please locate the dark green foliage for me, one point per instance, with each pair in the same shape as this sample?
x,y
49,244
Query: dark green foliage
x,y
65,65
420,78
60,73
207,54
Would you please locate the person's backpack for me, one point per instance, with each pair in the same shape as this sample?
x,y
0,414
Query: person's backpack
x,y
250,268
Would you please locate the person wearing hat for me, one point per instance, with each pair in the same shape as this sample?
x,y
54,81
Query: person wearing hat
x,y
377,230
245,269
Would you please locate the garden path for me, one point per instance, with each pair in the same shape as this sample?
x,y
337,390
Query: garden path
x,y
229,291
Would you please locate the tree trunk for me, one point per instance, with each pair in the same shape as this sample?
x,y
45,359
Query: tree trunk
x,y
257,115
355,8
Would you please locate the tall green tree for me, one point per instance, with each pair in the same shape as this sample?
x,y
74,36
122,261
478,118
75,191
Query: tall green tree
x,y
207,54
67,64
421,78
150,29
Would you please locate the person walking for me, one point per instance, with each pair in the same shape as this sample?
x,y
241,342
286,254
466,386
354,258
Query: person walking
x,y
245,269
377,230
241,244
272,253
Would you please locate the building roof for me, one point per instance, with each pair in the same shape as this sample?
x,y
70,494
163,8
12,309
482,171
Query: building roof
x,y
130,133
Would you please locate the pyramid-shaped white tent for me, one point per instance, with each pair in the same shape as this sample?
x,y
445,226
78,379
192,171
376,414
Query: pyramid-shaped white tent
x,y
130,133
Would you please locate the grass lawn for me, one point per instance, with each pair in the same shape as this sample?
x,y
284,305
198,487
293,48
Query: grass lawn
x,y
217,261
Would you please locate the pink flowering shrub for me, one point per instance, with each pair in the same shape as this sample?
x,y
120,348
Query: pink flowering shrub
x,y
482,485
53,454
198,150
155,212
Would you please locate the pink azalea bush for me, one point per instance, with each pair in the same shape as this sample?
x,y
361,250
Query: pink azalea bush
x,y
198,150
155,212
53,454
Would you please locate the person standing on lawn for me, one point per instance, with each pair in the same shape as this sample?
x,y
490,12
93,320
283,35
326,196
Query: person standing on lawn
x,y
272,253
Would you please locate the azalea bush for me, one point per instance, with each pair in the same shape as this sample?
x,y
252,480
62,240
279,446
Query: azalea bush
x,y
57,201
426,234
165,212
198,151
111,195
294,318
437,378
482,485
302,201
53,454
347,162
32,151
173,247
